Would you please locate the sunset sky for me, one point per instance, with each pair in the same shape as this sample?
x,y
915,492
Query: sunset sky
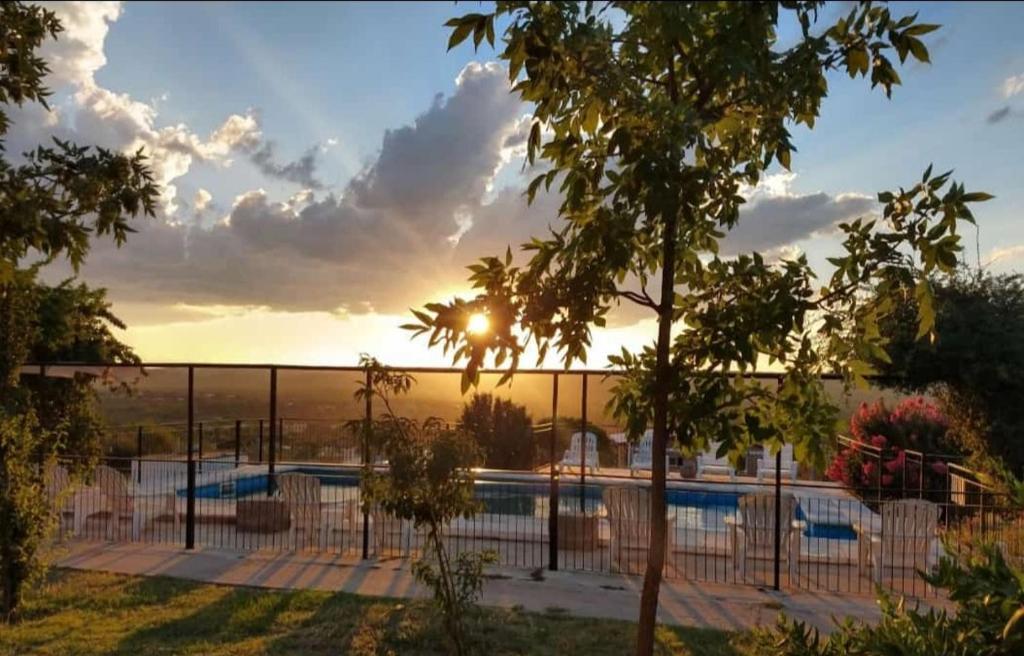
x,y
327,166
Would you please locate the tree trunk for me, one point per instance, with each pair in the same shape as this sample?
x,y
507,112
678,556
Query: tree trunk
x,y
662,384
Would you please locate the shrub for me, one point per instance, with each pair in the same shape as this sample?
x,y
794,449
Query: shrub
x,y
988,619
502,430
915,424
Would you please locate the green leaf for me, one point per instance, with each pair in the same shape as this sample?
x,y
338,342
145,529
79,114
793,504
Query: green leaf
x,y
461,32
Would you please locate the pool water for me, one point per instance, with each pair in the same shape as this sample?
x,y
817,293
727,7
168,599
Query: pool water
x,y
691,509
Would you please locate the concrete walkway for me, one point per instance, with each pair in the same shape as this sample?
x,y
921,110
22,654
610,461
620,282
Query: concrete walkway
x,y
595,595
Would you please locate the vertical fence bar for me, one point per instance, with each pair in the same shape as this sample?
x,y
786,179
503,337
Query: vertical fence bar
x,y
778,520
238,442
138,451
583,447
553,498
366,460
190,504
261,442
273,430
280,439
200,459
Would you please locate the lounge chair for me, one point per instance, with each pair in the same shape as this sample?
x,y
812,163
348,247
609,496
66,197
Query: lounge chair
x,y
109,495
391,536
640,457
574,458
904,539
629,524
58,494
301,493
709,463
766,464
752,531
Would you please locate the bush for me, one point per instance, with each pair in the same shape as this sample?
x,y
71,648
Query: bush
x,y
972,366
988,619
915,424
502,430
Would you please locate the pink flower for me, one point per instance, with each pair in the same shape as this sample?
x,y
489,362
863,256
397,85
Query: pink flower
x,y
940,467
887,480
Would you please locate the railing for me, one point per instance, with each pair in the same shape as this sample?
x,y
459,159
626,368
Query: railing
x,y
218,489
795,535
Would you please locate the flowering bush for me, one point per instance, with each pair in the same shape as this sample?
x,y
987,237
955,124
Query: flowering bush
x,y
915,424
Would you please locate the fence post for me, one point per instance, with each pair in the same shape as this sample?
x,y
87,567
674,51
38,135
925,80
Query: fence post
x,y
190,505
261,441
778,520
200,459
367,460
238,442
583,448
138,451
553,498
273,430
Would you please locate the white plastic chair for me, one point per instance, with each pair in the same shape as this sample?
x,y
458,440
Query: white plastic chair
x,y
766,464
574,458
629,528
905,539
752,531
109,495
301,493
709,463
58,494
641,458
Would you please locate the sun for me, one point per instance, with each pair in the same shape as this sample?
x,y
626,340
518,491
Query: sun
x,y
478,324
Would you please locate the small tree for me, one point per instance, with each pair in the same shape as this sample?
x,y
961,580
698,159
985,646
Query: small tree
x,y
502,430
651,118
430,483
973,367
50,206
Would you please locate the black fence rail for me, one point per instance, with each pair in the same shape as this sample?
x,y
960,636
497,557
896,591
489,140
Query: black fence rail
x,y
781,534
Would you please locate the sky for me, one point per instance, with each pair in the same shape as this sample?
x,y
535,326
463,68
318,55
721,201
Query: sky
x,y
325,167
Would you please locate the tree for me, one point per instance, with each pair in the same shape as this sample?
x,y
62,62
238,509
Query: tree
x,y
973,366
502,430
50,206
430,483
651,119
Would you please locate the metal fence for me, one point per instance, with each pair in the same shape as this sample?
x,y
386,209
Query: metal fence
x,y
783,534
181,469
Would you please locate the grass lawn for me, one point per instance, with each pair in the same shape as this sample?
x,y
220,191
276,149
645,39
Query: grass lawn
x,y
95,613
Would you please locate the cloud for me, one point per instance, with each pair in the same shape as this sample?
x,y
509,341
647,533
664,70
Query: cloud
x,y
382,244
1004,253
1013,85
998,115
775,217
302,171
201,200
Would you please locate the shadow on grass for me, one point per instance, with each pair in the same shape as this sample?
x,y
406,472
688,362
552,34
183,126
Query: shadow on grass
x,y
234,616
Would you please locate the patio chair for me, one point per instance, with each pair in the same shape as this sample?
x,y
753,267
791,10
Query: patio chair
x,y
709,463
58,494
109,495
301,493
640,456
766,464
629,524
903,540
391,536
752,531
574,457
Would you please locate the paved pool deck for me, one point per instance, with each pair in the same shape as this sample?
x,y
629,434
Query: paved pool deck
x,y
730,607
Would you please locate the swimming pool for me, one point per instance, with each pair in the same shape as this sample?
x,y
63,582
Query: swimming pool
x,y
704,510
